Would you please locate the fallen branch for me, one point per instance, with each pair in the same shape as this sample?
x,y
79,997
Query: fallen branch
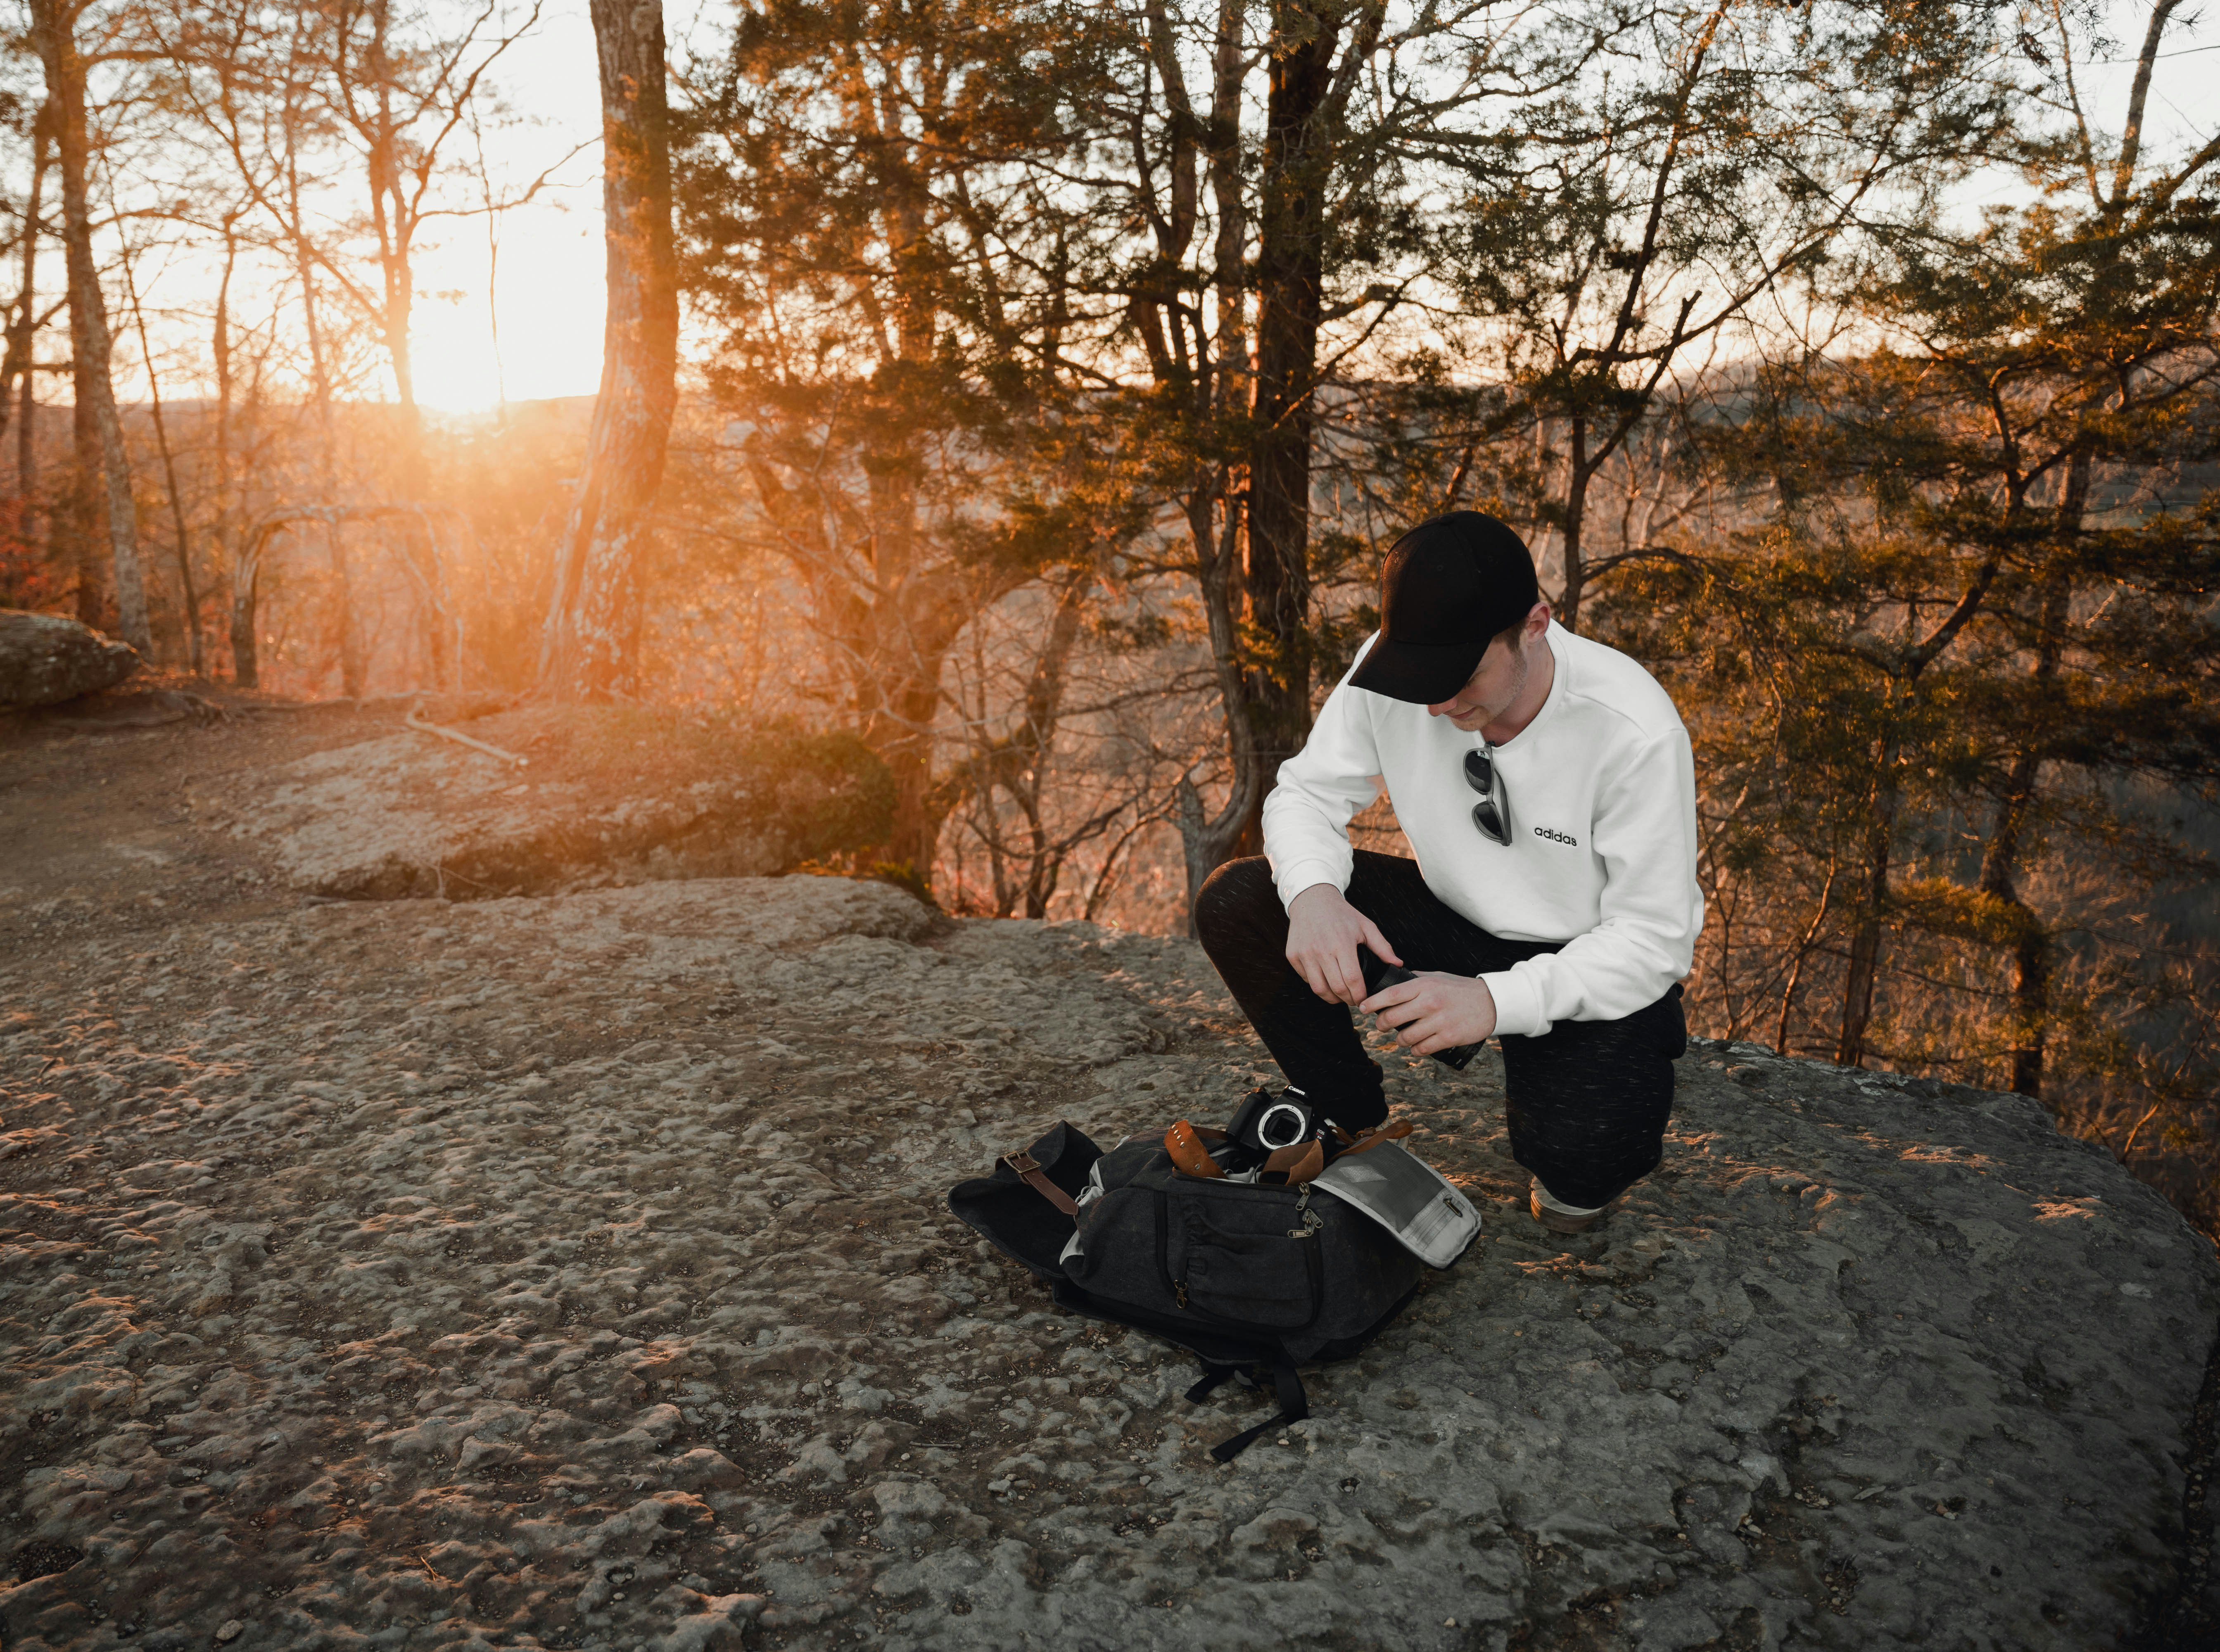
x,y
443,874
423,727
361,702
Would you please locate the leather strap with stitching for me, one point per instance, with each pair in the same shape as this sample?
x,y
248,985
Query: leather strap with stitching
x,y
1029,1172
1184,1143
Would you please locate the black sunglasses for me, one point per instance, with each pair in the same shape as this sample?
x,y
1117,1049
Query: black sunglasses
x,y
1492,814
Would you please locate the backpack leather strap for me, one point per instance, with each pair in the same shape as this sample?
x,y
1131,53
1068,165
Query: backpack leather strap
x,y
1367,1139
1184,1143
1029,1172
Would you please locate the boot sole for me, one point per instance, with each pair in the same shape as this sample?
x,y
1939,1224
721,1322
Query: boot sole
x,y
1557,1222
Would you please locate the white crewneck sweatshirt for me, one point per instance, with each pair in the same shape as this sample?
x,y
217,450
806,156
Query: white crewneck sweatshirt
x,y
1602,793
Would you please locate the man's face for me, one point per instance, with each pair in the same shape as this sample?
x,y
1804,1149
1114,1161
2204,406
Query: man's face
x,y
1499,679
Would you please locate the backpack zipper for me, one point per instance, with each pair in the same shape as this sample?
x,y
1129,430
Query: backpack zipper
x,y
1312,1225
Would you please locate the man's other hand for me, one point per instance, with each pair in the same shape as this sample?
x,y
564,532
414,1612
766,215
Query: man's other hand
x,y
1435,1011
1323,931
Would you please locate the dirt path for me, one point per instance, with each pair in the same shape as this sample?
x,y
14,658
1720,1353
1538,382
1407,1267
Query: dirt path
x,y
98,818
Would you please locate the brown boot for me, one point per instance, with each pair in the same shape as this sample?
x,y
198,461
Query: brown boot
x,y
1558,1221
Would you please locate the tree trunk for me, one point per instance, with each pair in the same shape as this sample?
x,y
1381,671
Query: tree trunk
x,y
81,510
1212,502
589,646
892,621
2030,945
1037,742
1230,276
26,330
899,643
255,542
15,368
1864,971
1207,844
901,730
394,219
191,597
244,662
1859,979
2030,948
1575,523
54,23
1297,164
26,451
320,382
1803,955
350,635
390,213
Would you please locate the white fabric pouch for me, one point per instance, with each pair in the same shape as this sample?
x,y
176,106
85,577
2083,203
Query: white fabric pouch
x,y
1408,1197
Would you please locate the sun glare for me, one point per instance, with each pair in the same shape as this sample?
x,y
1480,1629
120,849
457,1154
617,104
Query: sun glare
x,y
548,287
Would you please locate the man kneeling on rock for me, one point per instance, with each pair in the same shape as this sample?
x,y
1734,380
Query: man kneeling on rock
x,y
1546,786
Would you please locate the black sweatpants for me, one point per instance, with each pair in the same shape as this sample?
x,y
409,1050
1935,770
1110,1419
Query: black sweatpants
x,y
1587,1102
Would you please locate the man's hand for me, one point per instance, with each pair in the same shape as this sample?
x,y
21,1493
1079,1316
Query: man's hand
x,y
1436,1010
1323,931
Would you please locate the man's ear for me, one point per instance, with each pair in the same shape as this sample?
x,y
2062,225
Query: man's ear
x,y
1538,620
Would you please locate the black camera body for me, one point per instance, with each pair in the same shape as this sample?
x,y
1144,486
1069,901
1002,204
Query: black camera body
x,y
1268,1123
1394,975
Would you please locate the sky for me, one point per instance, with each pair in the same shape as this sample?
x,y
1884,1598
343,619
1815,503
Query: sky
x,y
546,291
546,294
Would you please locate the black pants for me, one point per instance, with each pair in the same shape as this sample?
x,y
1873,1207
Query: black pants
x,y
1587,1102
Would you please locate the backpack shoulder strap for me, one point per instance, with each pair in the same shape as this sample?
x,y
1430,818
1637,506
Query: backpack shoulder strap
x,y
1295,1404
1029,1172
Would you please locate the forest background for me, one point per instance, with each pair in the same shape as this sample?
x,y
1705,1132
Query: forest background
x,y
1034,390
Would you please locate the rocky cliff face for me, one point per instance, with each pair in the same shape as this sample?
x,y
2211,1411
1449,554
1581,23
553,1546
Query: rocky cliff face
x,y
573,1272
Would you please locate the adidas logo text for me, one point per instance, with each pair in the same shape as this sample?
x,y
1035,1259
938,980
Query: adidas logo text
x,y
1556,837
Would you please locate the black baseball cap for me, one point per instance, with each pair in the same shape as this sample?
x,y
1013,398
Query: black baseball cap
x,y
1450,586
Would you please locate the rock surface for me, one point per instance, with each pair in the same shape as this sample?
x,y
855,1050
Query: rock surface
x,y
45,659
573,1272
415,814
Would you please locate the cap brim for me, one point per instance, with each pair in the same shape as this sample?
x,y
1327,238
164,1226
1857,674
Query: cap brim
x,y
1424,674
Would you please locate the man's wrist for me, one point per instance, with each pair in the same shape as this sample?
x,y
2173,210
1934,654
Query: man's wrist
x,y
1303,879
1487,1007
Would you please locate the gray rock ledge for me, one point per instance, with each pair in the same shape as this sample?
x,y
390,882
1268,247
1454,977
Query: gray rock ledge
x,y
572,1272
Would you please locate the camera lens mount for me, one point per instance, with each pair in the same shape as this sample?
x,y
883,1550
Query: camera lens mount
x,y
1283,1124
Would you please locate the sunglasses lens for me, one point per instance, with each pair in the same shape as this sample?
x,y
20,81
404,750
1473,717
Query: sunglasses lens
x,y
1488,814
